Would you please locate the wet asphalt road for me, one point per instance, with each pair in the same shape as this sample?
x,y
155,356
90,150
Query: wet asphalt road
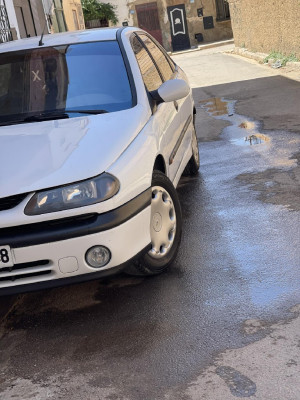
x,y
134,338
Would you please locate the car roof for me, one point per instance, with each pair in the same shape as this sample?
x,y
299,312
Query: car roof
x,y
57,39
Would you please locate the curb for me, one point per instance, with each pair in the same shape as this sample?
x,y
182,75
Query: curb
x,y
203,47
260,57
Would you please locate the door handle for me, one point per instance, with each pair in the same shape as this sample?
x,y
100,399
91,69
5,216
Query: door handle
x,y
176,105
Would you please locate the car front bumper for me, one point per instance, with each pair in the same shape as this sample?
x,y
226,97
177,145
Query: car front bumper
x,y
54,255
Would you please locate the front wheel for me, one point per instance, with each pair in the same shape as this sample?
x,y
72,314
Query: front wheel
x,y
165,228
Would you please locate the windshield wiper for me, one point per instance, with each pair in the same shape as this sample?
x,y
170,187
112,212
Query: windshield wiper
x,y
45,117
86,111
35,118
50,116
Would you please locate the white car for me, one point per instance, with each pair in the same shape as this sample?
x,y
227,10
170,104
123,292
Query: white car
x,y
96,129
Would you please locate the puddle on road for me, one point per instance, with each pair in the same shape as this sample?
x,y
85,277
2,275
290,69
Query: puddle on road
x,y
247,125
276,186
224,109
217,106
252,140
239,384
277,179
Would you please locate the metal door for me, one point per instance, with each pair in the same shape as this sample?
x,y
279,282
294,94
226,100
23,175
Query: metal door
x,y
179,29
147,15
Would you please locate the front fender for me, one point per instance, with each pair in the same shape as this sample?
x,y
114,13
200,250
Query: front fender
x,y
135,166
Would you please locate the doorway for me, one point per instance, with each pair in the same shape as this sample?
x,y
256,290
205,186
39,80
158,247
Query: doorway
x,y
179,30
148,20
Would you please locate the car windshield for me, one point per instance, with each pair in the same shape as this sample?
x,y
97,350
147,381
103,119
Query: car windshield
x,y
57,80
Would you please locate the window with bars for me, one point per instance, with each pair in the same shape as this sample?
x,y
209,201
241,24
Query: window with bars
x,y
5,33
223,12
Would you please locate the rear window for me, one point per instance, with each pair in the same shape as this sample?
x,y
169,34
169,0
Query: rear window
x,y
86,76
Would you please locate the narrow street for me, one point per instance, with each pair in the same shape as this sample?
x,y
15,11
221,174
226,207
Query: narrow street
x,y
223,322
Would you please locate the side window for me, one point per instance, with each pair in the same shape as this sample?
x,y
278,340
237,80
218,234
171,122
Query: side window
x,y
148,69
159,57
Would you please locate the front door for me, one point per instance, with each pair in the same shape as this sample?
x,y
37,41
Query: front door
x,y
179,29
147,15
166,121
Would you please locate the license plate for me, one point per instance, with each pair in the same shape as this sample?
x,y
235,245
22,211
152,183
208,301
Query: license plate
x,y
6,259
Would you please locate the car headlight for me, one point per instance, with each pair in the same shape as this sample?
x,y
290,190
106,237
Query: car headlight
x,y
75,195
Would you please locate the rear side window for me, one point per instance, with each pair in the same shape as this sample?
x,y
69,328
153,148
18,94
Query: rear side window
x,y
148,69
159,57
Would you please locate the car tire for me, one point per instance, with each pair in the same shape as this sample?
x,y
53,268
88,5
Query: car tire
x,y
165,229
193,165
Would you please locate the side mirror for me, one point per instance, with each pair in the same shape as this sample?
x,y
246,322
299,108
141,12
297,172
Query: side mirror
x,y
172,90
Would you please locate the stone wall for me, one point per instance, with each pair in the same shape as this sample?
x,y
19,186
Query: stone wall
x,y
267,25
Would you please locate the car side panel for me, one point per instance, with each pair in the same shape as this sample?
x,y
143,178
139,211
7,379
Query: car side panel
x,y
169,119
185,111
167,124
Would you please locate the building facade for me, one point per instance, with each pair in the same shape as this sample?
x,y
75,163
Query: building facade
x,y
178,24
25,18
63,15
266,26
73,15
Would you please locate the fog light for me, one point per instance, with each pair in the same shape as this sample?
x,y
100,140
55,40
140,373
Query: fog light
x,y
97,256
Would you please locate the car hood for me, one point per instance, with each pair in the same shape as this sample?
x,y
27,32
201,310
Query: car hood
x,y
41,155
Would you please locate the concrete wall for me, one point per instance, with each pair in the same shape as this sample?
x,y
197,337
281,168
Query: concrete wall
x,y
221,30
267,25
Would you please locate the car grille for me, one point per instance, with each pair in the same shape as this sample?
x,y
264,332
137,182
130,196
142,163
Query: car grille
x,y
22,271
31,234
6,203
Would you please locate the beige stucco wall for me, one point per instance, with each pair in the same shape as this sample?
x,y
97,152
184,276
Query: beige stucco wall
x,y
267,25
69,6
222,30
122,11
